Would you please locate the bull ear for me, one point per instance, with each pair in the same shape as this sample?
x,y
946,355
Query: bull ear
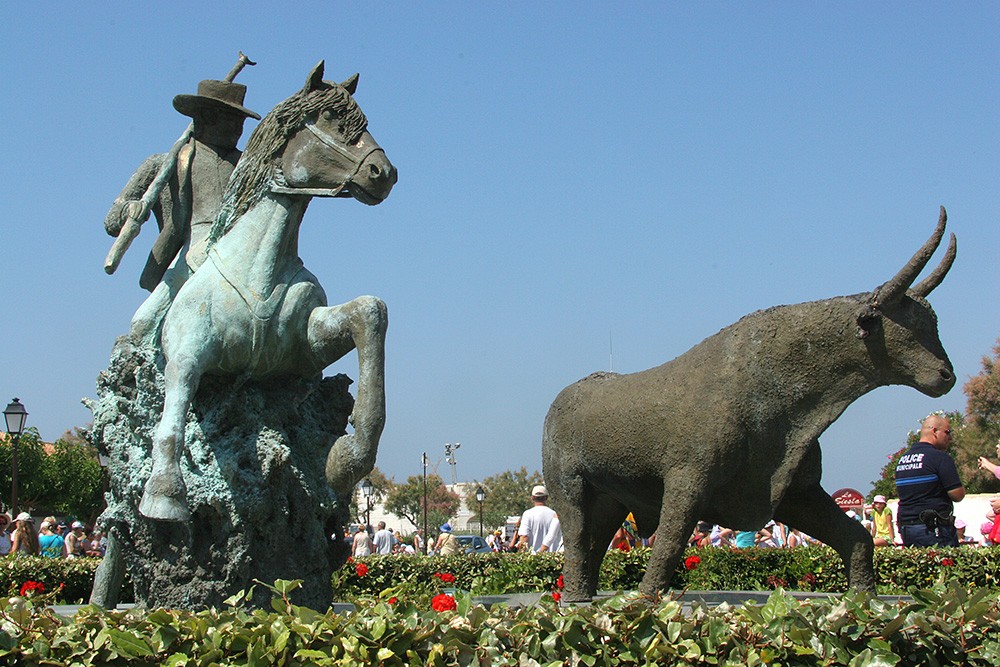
x,y
315,79
933,280
868,321
351,84
897,286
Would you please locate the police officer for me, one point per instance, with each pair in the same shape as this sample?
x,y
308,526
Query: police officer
x,y
928,485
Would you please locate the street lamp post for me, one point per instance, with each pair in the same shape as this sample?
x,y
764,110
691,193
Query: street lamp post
x,y
480,497
423,459
366,491
15,416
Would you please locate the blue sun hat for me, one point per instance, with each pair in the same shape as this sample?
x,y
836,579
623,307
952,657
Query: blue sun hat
x,y
446,527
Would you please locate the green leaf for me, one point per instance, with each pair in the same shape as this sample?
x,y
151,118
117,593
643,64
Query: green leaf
x,y
129,644
378,628
176,660
285,586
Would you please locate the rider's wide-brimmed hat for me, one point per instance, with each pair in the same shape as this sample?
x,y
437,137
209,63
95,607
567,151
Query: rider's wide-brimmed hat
x,y
215,94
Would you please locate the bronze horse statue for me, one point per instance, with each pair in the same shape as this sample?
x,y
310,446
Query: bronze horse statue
x,y
252,310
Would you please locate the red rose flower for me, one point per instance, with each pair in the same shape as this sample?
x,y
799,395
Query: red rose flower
x,y
393,600
559,582
361,569
350,559
443,603
556,595
691,562
947,562
446,577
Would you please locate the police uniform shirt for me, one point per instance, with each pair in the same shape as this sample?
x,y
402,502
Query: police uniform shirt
x,y
924,475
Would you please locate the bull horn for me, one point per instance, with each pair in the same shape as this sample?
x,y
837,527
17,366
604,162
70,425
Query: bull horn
x,y
897,286
933,280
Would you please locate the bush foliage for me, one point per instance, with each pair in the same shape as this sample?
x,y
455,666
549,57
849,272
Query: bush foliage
x,y
69,580
946,625
804,568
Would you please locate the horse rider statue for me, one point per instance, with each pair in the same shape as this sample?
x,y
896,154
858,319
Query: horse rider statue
x,y
183,189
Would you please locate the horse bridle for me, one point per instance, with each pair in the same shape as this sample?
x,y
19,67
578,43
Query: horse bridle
x,y
332,143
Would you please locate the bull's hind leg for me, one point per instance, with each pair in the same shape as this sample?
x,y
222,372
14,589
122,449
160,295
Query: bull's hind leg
x,y
588,523
333,331
815,513
606,516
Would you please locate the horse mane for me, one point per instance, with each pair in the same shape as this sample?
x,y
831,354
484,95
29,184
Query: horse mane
x,y
252,177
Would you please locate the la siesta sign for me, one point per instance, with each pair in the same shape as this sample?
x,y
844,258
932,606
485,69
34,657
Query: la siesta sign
x,y
849,499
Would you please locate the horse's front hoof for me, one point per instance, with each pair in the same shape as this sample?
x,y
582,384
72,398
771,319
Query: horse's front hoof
x,y
163,508
165,497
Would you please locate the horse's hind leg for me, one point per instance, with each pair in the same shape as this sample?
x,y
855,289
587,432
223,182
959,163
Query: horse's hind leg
x,y
333,332
165,496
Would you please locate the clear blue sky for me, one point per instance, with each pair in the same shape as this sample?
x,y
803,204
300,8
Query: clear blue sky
x,y
570,176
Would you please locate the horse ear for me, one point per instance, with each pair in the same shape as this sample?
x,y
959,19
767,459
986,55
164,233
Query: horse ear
x,y
351,84
315,79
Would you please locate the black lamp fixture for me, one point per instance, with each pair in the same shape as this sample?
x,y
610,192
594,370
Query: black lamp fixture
x,y
15,415
366,492
480,497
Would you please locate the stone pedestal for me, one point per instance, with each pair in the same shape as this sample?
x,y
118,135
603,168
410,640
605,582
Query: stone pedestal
x,y
253,463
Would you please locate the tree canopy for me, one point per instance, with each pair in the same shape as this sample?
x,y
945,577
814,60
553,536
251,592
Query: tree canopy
x,y
68,482
406,500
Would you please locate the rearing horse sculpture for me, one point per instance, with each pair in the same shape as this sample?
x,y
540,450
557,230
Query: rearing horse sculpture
x,y
252,309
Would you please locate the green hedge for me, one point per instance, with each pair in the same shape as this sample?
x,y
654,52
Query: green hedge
x,y
943,626
68,580
806,568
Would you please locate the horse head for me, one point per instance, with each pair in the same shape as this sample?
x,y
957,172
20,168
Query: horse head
x,y
331,152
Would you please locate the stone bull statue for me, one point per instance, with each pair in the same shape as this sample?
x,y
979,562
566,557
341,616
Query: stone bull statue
x,y
728,432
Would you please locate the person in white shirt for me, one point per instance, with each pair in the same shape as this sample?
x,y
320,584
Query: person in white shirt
x,y
553,540
535,521
361,546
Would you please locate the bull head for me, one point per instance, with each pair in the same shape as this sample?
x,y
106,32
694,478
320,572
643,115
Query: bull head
x,y
899,327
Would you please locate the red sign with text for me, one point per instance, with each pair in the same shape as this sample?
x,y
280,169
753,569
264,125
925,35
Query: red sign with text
x,y
849,499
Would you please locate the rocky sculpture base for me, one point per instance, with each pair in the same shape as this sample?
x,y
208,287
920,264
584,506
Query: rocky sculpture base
x,y
253,463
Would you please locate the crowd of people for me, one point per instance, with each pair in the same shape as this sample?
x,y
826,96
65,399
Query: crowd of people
x,y
52,538
926,478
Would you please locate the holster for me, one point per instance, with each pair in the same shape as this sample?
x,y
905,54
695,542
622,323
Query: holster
x,y
934,519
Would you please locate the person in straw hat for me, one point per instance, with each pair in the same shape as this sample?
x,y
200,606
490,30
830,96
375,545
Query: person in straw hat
x,y
189,203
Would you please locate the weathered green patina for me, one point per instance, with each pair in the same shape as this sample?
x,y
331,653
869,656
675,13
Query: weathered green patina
x,y
214,405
